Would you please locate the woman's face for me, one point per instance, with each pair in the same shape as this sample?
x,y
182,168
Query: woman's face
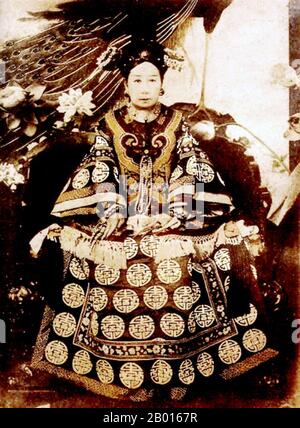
x,y
144,85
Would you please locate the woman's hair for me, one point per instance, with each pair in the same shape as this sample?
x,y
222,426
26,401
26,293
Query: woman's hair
x,y
136,53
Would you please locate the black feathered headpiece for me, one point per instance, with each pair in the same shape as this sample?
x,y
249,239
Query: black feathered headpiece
x,y
136,53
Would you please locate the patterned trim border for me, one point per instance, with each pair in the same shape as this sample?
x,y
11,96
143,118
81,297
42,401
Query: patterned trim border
x,y
37,362
77,211
43,335
248,364
110,391
75,194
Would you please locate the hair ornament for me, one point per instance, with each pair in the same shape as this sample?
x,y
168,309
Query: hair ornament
x,y
137,52
107,57
174,59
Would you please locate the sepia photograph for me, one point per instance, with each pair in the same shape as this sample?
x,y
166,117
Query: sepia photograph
x,y
149,221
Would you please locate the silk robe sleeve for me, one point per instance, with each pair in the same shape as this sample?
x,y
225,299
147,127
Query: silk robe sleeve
x,y
197,195
93,188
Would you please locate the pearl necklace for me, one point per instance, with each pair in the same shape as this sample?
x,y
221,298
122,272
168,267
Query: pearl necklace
x,y
144,116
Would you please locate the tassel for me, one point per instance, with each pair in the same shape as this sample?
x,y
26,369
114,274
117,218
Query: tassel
x,y
68,238
204,249
172,248
112,254
179,246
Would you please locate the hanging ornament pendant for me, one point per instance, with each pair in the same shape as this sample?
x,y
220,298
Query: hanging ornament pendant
x,y
145,185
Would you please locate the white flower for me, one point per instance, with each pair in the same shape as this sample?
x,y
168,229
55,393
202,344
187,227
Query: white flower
x,y
32,146
10,175
235,132
293,133
205,129
11,96
75,102
285,75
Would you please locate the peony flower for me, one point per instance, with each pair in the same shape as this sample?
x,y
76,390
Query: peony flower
x,y
23,108
235,133
285,75
205,129
293,133
10,175
75,102
11,96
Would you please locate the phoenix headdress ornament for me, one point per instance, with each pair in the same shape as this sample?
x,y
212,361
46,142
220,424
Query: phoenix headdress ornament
x,y
139,51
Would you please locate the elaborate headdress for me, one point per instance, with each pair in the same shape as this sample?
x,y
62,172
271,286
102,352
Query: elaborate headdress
x,y
137,52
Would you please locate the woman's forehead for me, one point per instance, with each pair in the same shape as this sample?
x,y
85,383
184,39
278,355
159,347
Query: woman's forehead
x,y
145,68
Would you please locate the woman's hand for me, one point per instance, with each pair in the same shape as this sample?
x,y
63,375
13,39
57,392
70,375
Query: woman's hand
x,y
167,222
141,224
113,223
54,232
51,232
250,234
106,227
231,229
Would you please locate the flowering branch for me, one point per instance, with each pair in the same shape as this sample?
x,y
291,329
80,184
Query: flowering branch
x,y
207,130
23,108
74,105
289,77
275,155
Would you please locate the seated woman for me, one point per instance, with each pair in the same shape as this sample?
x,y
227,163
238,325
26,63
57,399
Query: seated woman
x,y
159,288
